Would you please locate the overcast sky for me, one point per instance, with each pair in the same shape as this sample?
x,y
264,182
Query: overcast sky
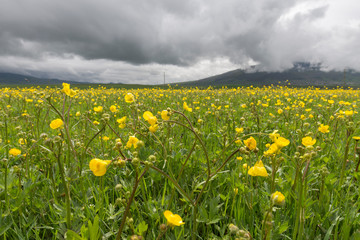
x,y
136,41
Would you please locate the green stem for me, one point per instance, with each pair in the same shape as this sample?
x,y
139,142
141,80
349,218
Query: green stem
x,y
346,153
67,191
127,209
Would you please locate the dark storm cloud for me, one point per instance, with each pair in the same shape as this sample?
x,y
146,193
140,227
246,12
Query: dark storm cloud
x,y
137,39
139,32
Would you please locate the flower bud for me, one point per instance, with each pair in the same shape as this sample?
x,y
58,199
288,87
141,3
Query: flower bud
x,y
136,162
140,144
118,187
163,227
233,229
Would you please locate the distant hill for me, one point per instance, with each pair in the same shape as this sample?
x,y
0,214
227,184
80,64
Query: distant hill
x,y
302,74
18,79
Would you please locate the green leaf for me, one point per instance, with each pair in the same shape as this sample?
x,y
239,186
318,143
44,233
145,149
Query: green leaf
x,y
141,228
94,230
283,227
71,235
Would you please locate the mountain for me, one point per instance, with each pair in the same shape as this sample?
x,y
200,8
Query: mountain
x,y
18,79
301,74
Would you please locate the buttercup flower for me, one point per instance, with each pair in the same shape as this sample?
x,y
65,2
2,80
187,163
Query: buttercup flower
x,y
173,219
132,142
278,198
66,89
98,109
98,166
121,122
308,141
57,123
274,135
250,143
239,130
22,141
282,142
14,152
150,118
153,128
129,98
258,170
165,115
186,107
113,108
324,128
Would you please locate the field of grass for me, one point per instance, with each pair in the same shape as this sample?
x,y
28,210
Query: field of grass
x,y
228,163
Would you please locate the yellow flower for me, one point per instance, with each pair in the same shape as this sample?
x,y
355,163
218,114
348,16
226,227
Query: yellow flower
x,y
349,113
122,122
78,114
98,109
129,98
250,143
96,122
356,138
278,198
66,89
57,123
258,170
239,158
324,128
14,152
153,128
165,115
22,141
113,108
274,135
105,138
173,219
132,142
280,111
308,141
98,166
239,130
186,107
150,118
282,142
245,166
273,149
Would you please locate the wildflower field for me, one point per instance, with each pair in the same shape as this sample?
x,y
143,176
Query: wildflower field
x,y
241,163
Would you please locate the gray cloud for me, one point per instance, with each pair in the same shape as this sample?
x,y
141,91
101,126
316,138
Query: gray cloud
x,y
102,39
